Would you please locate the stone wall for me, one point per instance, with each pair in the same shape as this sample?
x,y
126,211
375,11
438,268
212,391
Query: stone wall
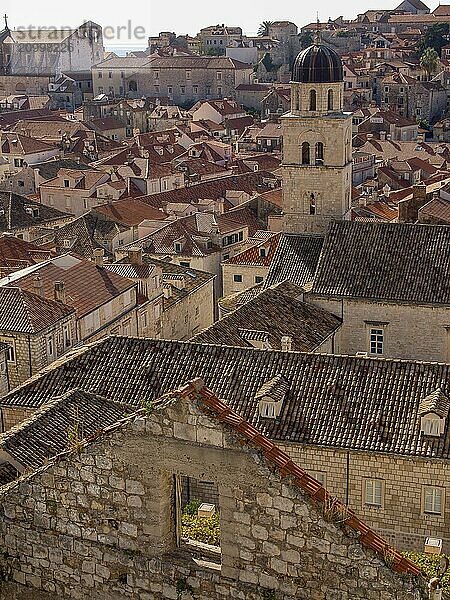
x,y
99,523
412,332
401,519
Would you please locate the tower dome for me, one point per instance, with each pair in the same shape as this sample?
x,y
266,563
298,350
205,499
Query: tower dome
x,y
317,64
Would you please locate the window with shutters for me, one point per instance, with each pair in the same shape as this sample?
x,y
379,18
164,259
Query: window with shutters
x,y
373,492
433,500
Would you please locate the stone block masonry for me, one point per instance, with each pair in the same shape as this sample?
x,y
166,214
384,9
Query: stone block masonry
x,y
99,524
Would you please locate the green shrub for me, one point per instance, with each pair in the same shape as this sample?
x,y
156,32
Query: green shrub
x,y
428,563
205,530
192,508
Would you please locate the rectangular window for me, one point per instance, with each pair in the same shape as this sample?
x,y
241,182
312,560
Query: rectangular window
x,y
11,353
259,279
50,347
195,89
237,278
183,263
67,336
433,500
66,183
18,162
377,341
373,492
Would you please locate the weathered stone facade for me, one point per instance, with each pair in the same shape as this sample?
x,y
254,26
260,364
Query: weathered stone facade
x,y
99,523
31,352
410,331
317,155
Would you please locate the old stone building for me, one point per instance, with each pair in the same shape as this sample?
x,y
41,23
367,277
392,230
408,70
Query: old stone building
x,y
112,305
375,430
251,266
317,144
376,277
182,79
50,51
36,330
282,534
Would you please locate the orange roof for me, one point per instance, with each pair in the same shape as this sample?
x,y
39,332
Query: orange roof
x,y
252,256
130,212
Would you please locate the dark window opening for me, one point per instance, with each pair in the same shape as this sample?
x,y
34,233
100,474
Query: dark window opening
x,y
319,153
306,154
312,205
330,100
313,100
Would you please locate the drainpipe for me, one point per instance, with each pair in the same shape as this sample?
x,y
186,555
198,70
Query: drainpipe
x,y
347,486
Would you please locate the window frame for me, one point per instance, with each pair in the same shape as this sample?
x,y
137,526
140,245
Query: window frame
x,y
434,488
365,500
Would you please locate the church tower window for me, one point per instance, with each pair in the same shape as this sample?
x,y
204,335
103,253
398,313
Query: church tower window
x,y
319,153
312,205
330,100
306,153
313,100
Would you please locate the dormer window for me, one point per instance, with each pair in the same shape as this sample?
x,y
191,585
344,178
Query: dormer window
x,y
433,412
262,252
432,425
66,183
178,247
271,397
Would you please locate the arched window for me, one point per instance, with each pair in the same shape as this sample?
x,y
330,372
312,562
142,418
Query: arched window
x,y
313,100
132,86
312,205
330,100
319,153
306,154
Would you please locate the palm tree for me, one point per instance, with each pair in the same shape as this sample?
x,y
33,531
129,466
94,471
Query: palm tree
x,y
429,61
264,28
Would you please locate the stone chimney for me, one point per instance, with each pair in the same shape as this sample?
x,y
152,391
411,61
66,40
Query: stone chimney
x,y
408,209
286,343
60,291
167,291
38,288
99,254
135,256
382,135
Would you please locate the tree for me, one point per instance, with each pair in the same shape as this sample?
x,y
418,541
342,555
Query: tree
x,y
435,37
306,39
429,61
264,28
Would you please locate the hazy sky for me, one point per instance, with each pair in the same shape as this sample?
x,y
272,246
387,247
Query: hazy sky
x,y
182,16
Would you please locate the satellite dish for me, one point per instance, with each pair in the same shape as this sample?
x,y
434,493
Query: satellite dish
x,y
443,566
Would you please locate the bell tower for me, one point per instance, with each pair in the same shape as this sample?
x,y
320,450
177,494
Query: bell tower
x,y
317,144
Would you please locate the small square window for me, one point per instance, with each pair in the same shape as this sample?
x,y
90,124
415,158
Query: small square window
x,y
237,278
259,279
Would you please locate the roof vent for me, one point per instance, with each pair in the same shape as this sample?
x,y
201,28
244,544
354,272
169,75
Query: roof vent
x,y
286,343
271,396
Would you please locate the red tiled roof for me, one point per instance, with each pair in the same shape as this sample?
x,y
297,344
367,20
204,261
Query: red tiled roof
x,y
87,286
252,256
130,212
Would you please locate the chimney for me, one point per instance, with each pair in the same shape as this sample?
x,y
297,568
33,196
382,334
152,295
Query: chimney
x,y
408,209
167,290
60,291
98,256
135,256
382,135
37,286
286,343
370,136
